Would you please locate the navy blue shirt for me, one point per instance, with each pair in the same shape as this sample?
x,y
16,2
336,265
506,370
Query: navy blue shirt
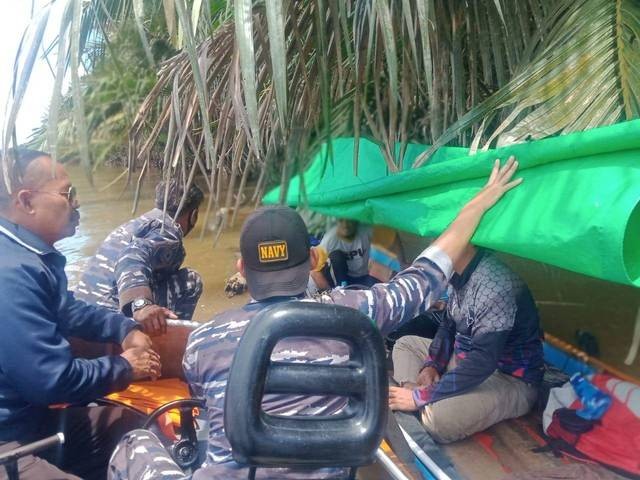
x,y
37,368
491,322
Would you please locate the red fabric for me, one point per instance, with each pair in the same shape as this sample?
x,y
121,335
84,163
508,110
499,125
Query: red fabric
x,y
615,440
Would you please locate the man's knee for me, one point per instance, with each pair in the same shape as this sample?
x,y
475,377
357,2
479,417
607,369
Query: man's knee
x,y
140,454
411,345
443,425
408,355
500,397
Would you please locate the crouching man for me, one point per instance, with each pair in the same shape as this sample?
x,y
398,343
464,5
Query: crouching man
x,y
485,362
137,269
281,275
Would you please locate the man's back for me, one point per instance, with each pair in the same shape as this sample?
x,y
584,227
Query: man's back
x,y
207,362
211,348
107,269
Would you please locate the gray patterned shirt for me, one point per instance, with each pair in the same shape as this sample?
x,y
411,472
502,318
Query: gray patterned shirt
x,y
491,323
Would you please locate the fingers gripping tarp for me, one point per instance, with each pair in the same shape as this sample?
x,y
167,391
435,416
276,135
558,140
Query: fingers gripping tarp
x,y
577,208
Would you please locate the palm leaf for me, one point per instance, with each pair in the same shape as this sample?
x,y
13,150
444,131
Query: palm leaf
x,y
78,99
138,10
583,73
277,46
169,8
19,88
244,39
196,10
200,86
56,98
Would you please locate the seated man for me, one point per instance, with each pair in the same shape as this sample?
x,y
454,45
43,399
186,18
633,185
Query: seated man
x,y
348,244
484,364
276,261
137,270
37,368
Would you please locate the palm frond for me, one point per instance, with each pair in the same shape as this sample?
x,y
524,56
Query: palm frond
x,y
21,78
256,86
583,72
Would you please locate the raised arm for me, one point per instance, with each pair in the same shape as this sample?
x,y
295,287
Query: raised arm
x,y
416,288
457,236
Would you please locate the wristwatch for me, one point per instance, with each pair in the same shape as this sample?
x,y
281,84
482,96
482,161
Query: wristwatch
x,y
139,304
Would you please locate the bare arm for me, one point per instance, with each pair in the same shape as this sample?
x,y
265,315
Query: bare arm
x,y
457,236
416,288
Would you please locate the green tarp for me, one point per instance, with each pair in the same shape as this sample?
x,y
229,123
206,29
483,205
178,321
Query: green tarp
x,y
577,208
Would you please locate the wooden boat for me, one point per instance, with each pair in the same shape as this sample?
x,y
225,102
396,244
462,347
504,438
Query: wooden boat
x,y
514,447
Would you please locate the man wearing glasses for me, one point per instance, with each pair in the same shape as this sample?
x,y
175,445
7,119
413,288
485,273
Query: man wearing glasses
x,y
37,368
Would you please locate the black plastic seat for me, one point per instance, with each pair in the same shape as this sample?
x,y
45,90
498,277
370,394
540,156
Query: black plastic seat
x,y
346,440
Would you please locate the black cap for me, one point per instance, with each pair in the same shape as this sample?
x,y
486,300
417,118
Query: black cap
x,y
274,244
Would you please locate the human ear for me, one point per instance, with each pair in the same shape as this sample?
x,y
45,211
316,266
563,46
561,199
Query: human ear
x,y
313,256
240,266
23,198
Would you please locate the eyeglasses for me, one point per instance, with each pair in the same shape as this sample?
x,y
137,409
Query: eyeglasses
x,y
71,195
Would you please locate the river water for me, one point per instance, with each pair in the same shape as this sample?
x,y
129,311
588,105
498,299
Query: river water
x,y
567,301
103,210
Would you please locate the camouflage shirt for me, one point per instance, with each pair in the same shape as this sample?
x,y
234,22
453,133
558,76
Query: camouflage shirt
x,y
211,348
130,259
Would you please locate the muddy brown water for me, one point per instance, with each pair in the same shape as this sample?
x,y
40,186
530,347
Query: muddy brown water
x,y
567,301
103,210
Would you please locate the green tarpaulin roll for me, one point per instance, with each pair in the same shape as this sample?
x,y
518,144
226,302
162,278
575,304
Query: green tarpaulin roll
x,y
577,208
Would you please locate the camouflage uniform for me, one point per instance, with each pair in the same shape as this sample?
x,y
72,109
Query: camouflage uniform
x,y
211,348
142,259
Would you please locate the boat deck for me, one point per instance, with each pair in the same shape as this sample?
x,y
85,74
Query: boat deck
x,y
508,450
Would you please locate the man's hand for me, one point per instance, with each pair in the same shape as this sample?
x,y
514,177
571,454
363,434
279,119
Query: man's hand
x,y
401,399
144,362
455,239
499,183
427,377
136,339
153,319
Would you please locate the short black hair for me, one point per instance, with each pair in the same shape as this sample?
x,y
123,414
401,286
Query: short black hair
x,y
174,196
22,158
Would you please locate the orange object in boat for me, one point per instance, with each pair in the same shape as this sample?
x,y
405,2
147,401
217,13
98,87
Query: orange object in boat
x,y
148,396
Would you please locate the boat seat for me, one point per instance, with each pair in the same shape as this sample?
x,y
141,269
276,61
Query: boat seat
x,y
350,439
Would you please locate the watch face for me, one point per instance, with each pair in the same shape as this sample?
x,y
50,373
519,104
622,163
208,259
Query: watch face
x,y
139,302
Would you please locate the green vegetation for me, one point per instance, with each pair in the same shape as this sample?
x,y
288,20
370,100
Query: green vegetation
x,y
255,85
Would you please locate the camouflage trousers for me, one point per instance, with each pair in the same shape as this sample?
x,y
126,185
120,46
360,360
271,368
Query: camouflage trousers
x,y
179,292
141,455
